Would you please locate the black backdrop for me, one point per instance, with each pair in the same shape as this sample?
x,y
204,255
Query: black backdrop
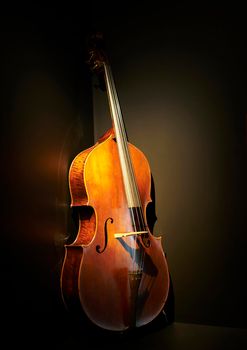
x,y
47,118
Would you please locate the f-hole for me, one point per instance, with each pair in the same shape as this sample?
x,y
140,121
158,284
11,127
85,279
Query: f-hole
x,y
98,249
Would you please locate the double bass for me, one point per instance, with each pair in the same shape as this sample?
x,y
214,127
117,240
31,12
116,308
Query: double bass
x,y
115,271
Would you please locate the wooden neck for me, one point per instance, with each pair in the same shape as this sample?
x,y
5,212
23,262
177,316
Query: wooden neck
x,y
132,194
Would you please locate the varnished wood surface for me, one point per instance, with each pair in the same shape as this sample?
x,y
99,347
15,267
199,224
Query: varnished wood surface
x,y
102,281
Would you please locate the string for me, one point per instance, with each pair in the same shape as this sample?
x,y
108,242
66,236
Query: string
x,y
130,182
116,107
139,212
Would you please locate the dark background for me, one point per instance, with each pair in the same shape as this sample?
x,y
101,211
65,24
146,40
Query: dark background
x,y
181,77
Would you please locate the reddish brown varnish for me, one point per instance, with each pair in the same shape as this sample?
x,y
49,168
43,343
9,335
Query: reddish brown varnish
x,y
115,271
99,280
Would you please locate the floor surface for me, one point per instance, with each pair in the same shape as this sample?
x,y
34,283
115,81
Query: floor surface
x,y
176,336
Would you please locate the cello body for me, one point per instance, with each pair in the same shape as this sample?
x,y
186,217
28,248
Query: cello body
x,y
115,270
101,264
